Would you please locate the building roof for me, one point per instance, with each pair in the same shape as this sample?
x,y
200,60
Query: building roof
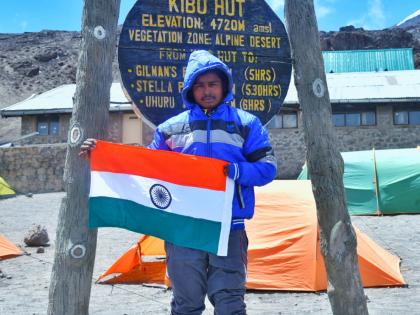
x,y
368,87
351,87
60,100
393,59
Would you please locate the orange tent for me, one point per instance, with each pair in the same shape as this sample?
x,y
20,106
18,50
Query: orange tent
x,y
283,254
8,249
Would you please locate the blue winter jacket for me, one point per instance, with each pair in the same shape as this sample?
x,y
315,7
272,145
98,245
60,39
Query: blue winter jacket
x,y
227,133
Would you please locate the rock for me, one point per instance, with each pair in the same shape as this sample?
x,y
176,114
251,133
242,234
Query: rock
x,y
32,72
348,28
22,67
29,195
40,250
37,236
46,56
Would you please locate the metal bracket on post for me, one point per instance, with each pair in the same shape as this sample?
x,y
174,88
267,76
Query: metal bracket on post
x,y
99,32
75,134
318,88
78,251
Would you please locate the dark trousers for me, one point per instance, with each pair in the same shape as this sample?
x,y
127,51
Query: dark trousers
x,y
195,273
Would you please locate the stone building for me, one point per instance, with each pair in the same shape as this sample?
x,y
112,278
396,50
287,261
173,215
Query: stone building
x,y
49,115
378,110
369,109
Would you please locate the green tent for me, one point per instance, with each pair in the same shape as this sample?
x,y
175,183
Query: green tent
x,y
381,181
5,189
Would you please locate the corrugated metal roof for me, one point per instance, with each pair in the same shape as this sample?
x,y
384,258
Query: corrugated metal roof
x,y
60,100
368,87
368,60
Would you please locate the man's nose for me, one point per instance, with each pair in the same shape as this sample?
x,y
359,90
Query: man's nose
x,y
207,89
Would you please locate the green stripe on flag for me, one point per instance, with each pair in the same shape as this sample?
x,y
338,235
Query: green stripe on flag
x,y
178,229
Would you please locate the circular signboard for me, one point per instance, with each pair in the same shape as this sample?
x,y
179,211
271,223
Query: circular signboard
x,y
158,36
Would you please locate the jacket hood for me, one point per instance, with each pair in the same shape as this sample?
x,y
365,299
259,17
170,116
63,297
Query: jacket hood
x,y
202,61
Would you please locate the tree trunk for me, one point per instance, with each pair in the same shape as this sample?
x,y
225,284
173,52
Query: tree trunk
x,y
325,164
71,277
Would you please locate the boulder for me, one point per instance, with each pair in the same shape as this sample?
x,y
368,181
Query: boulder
x,y
36,236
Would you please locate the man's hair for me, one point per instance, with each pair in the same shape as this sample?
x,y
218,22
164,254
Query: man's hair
x,y
222,76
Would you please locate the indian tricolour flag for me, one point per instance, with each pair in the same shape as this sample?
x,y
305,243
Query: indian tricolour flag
x,y
184,199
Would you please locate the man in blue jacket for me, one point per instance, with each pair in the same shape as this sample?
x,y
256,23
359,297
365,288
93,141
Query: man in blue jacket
x,y
211,127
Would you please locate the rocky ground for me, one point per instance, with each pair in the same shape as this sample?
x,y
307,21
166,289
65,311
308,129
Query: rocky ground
x,y
24,288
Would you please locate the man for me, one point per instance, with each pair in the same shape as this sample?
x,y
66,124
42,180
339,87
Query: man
x,y
211,127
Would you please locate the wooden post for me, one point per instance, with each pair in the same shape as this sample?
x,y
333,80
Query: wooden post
x,y
325,164
71,278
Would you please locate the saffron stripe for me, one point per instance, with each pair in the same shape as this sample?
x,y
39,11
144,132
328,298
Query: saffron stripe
x,y
180,169
177,229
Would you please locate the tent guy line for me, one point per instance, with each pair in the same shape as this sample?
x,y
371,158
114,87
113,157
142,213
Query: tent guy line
x,y
95,280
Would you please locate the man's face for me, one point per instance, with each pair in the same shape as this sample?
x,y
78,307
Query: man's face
x,y
208,90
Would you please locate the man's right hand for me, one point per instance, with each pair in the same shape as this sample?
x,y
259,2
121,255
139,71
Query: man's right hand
x,y
87,146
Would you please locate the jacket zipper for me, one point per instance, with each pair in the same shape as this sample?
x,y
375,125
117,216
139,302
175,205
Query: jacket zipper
x,y
239,195
208,136
237,185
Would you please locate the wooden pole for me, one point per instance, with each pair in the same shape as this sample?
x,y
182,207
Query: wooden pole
x,y
325,164
71,277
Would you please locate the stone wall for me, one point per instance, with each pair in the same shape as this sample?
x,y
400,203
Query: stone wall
x,y
34,168
290,148
38,165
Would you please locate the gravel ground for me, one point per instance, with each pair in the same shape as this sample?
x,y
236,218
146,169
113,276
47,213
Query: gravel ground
x,y
26,290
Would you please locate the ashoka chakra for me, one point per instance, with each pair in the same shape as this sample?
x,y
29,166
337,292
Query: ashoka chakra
x,y
160,196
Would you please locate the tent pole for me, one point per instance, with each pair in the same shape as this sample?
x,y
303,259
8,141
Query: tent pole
x,y
375,180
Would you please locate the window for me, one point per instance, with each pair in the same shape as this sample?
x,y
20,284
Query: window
x,y
42,128
339,120
407,117
48,125
414,117
283,121
368,118
400,118
354,118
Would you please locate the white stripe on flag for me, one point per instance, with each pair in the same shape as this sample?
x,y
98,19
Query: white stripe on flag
x,y
227,217
186,200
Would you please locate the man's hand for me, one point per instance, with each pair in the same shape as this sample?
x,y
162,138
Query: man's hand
x,y
231,170
226,169
87,146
